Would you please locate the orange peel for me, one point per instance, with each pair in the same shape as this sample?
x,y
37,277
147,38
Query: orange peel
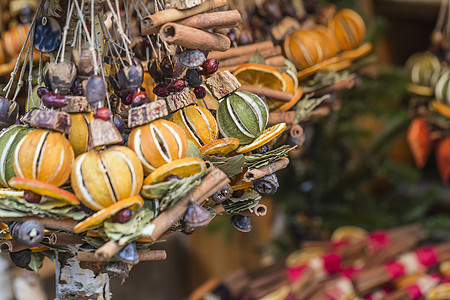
x,y
221,146
183,167
266,136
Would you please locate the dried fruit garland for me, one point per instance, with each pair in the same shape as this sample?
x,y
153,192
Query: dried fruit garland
x,y
183,162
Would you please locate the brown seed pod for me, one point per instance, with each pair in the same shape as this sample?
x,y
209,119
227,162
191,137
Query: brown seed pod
x,y
130,77
117,269
84,62
29,233
267,185
197,216
9,113
225,193
95,90
241,223
61,77
129,254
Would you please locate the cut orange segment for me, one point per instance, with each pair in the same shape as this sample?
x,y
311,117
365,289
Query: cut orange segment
x,y
440,108
183,167
348,233
261,76
221,147
264,138
44,189
97,219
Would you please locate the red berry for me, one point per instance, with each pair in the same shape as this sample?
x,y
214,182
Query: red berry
x,y
238,193
41,91
103,113
52,100
200,92
210,66
123,216
31,197
139,98
161,90
128,99
177,85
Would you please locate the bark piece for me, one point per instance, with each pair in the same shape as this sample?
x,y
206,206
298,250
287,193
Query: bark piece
x,y
146,113
222,84
55,120
287,26
179,100
77,104
103,133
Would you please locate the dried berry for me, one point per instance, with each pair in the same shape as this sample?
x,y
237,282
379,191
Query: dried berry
x,y
31,197
177,85
238,193
171,68
261,150
103,113
128,99
139,98
21,258
210,66
200,92
172,177
41,91
161,90
123,216
119,123
193,78
52,100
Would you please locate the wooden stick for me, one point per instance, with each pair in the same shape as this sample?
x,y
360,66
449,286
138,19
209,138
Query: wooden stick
x,y
213,20
64,224
254,174
242,50
269,93
11,246
143,256
152,23
194,38
59,238
242,59
212,183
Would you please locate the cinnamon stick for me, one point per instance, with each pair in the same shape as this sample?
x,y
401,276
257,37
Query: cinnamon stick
x,y
242,50
242,59
11,246
269,93
108,250
287,117
276,61
59,238
254,174
213,20
296,135
143,256
212,183
64,224
194,38
152,23
259,210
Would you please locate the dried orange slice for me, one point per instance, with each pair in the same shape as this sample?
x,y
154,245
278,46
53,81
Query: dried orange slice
x,y
99,217
440,108
440,292
261,76
419,90
362,50
348,233
288,105
183,167
44,189
264,138
221,147
317,67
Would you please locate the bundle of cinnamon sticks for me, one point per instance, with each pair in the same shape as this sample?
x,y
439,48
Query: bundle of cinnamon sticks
x,y
385,264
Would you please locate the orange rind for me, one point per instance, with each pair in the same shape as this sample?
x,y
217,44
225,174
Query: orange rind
x,y
221,147
265,137
183,167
